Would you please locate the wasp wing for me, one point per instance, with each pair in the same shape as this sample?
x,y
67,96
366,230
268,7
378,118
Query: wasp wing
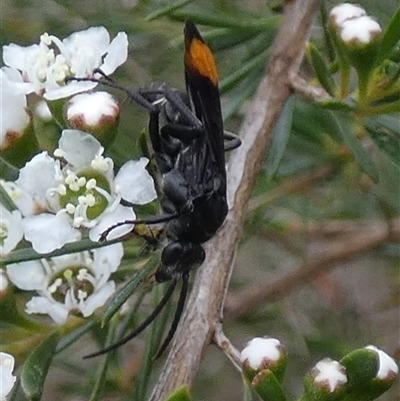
x,y
202,87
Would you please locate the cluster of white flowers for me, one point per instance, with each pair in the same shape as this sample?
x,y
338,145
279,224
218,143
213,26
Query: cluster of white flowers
x,y
43,68
76,283
59,196
73,193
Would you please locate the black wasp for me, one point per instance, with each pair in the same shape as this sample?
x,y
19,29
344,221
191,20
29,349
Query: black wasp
x,y
188,140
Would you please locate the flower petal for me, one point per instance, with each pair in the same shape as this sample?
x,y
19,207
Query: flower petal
x,y
7,379
107,259
48,232
79,148
120,214
72,88
28,276
97,299
117,53
134,183
42,305
38,175
11,230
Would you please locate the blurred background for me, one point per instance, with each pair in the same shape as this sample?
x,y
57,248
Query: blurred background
x,y
312,268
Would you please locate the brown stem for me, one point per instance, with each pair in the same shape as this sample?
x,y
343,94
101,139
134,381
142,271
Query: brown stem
x,y
224,344
297,184
205,305
310,92
363,241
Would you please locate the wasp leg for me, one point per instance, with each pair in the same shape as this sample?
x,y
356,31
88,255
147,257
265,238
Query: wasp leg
x,y
182,132
133,95
177,316
232,141
177,100
142,326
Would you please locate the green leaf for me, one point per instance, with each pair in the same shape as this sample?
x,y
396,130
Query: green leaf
x,y
17,393
337,104
28,254
5,199
153,342
71,337
321,70
369,392
126,291
239,94
37,365
378,109
388,122
226,38
167,10
280,137
361,367
390,37
233,79
362,157
267,386
387,141
7,171
99,384
181,394
220,20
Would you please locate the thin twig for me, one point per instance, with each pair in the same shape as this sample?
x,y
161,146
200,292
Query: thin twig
x,y
204,309
310,92
297,184
224,344
363,241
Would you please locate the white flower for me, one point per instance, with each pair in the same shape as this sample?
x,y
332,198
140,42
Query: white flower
x,y
353,25
77,283
344,12
388,369
360,30
79,191
330,374
78,55
14,116
7,379
10,230
261,351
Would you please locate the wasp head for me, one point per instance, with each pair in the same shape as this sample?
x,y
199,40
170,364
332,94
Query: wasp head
x,y
178,258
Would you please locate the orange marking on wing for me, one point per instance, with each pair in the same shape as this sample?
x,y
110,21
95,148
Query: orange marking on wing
x,y
198,57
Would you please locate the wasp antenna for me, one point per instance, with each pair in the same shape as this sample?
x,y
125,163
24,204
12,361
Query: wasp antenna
x,y
198,56
104,234
177,316
142,326
149,221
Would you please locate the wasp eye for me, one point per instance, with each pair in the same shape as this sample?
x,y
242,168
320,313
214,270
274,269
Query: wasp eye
x,y
171,254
